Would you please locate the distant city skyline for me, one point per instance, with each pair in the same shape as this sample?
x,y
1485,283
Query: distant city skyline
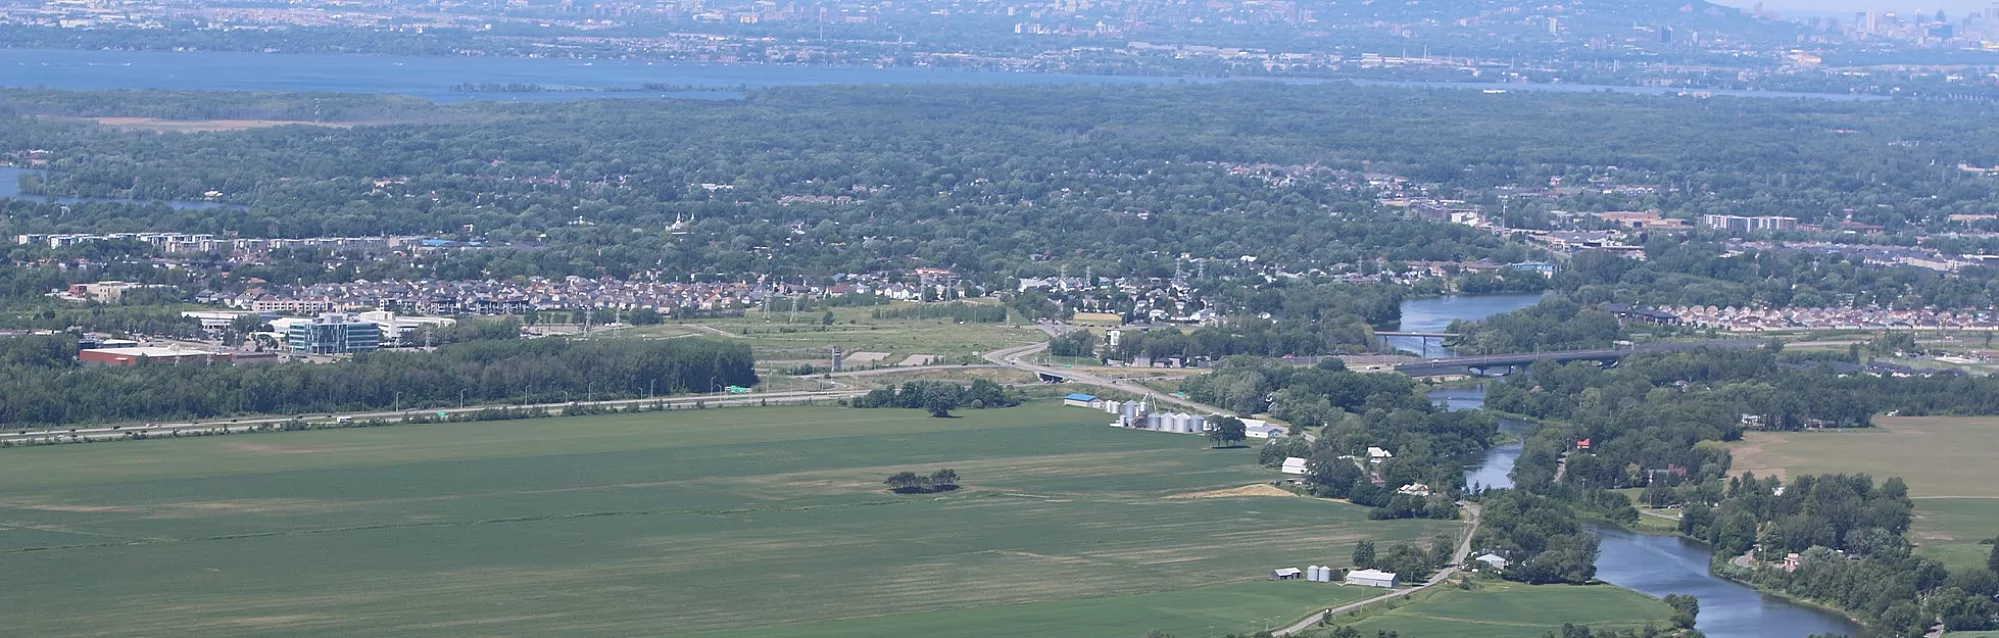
x,y
1850,6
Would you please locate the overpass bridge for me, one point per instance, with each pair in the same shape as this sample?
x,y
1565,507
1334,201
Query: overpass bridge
x,y
1467,365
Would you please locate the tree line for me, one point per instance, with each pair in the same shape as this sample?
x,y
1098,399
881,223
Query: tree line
x,y
938,397
47,387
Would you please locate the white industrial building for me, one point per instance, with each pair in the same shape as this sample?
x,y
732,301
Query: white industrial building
x,y
1371,578
1294,465
406,330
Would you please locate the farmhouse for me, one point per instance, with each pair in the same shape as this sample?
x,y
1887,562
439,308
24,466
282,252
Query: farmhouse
x,y
1261,429
1378,454
1494,560
1370,578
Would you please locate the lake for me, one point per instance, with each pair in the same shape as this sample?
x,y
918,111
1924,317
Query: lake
x,y
1661,565
10,188
1435,314
431,77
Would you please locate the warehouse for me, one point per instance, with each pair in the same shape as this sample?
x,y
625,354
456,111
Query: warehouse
x,y
1371,578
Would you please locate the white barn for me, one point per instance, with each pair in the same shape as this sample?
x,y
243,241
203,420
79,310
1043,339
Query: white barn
x,y
1294,465
1371,578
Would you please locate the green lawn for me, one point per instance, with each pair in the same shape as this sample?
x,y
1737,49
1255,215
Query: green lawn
x,y
660,524
1511,610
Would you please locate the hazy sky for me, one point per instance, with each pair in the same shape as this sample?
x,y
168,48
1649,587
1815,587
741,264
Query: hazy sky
x,y
1952,6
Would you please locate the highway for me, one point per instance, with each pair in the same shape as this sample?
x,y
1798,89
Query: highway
x,y
1442,366
1012,358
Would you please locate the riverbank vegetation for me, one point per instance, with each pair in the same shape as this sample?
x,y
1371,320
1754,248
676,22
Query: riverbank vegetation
x,y
1659,422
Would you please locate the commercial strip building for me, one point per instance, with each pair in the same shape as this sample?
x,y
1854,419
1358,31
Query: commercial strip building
x,y
331,333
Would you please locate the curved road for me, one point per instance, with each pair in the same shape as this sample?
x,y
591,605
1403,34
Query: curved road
x,y
1464,552
1012,358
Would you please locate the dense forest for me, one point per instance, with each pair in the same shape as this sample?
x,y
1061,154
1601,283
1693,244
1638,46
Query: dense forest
x,y
46,385
1120,179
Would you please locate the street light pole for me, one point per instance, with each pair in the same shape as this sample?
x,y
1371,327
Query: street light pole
x,y
461,398
399,401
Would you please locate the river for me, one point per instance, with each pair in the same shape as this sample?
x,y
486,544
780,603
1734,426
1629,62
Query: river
x,y
431,77
1661,565
10,188
1435,314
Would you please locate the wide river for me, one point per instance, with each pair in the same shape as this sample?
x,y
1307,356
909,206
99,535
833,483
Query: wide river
x,y
432,77
1661,565
1434,314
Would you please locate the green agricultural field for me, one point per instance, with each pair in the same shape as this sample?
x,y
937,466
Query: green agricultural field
x,y
1512,610
1943,459
778,337
660,524
1204,612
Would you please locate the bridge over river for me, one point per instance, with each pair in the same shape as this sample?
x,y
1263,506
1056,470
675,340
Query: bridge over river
x,y
1465,365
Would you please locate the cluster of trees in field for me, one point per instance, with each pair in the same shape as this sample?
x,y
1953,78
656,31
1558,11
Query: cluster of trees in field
x,y
47,387
907,482
959,311
1848,513
1539,536
1353,412
1848,535
938,397
1553,324
1080,343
